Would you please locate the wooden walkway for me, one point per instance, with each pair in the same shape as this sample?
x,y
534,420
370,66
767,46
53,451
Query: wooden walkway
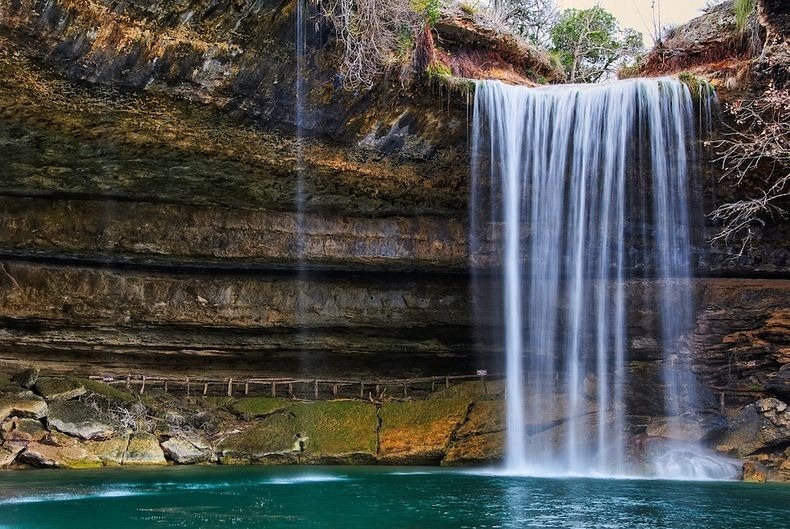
x,y
313,388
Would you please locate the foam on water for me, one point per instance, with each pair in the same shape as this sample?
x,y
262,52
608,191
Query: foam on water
x,y
64,496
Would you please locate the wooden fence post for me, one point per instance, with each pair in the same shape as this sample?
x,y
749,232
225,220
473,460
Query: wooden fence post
x,y
230,387
187,386
316,389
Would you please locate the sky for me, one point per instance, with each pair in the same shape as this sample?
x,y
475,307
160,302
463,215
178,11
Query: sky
x,y
637,14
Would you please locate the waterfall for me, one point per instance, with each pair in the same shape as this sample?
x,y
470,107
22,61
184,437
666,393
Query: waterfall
x,y
577,191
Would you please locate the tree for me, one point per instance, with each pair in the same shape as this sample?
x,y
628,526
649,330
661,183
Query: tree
x,y
591,45
532,19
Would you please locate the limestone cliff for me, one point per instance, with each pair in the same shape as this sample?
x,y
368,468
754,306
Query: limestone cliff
x,y
148,222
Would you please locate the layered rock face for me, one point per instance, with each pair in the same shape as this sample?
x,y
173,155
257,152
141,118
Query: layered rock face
x,y
148,220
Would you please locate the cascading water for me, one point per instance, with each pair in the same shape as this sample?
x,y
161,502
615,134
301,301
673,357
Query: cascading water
x,y
561,177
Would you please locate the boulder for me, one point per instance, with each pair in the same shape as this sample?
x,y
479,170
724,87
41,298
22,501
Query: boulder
x,y
754,472
26,378
183,452
779,383
692,427
54,389
268,441
77,419
144,449
25,405
54,456
23,430
759,427
110,451
9,451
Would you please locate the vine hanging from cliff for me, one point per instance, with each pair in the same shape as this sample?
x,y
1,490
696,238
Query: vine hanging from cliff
x,y
759,144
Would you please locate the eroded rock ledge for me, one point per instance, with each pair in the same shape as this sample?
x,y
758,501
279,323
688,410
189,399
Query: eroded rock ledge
x,y
86,424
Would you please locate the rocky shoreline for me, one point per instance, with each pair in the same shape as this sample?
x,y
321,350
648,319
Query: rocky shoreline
x,y
75,423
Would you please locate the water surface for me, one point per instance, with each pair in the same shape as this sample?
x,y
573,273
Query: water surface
x,y
357,497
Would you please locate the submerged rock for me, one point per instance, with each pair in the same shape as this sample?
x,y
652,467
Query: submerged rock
x,y
80,420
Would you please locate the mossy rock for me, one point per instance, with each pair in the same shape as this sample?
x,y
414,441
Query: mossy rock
x,y
268,441
105,390
26,405
337,431
144,449
110,451
51,456
473,389
476,449
53,389
77,419
258,406
23,430
418,432
486,416
25,378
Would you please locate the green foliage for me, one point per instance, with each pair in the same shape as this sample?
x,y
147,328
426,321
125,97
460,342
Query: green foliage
x,y
337,427
532,19
438,70
743,10
590,44
429,9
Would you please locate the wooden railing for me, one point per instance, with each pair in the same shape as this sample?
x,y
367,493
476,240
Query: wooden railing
x,y
315,388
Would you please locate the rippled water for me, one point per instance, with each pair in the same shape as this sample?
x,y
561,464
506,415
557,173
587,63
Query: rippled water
x,y
274,497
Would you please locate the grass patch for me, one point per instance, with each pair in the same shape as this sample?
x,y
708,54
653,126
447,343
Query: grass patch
x,y
337,427
105,390
255,406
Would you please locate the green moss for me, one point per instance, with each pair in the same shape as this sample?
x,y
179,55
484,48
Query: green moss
x,y
438,70
419,430
274,434
472,390
257,406
105,390
697,85
337,427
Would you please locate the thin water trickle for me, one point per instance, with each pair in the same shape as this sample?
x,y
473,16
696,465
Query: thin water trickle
x,y
554,172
